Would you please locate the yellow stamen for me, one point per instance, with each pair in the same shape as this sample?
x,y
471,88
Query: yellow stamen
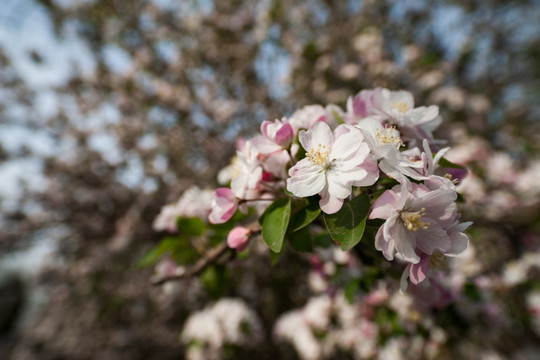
x,y
400,106
319,156
448,176
386,136
412,221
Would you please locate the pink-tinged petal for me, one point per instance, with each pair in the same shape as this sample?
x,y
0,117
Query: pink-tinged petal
x,y
389,224
267,133
440,205
384,245
404,243
238,238
255,178
387,168
330,204
403,284
342,130
383,206
285,135
359,107
338,186
418,272
347,143
276,164
404,190
264,146
372,175
459,243
400,96
320,133
459,227
223,206
425,116
305,179
432,238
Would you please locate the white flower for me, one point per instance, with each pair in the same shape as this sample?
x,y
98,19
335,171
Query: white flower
x,y
194,202
333,164
385,142
245,172
292,327
307,116
228,321
317,312
418,220
415,123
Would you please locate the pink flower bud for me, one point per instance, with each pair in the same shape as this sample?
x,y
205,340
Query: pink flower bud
x,y
223,206
238,238
280,132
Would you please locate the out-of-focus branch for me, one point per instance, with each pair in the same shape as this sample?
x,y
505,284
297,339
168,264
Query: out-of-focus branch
x,y
210,257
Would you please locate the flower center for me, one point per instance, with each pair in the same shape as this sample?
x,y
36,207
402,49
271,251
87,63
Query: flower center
x,y
412,221
388,136
400,106
319,156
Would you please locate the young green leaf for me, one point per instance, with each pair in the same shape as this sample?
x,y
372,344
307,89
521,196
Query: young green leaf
x,y
274,257
300,240
191,226
347,225
448,164
275,221
178,247
213,279
304,216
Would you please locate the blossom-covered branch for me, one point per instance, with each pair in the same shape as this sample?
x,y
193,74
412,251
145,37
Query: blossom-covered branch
x,y
378,159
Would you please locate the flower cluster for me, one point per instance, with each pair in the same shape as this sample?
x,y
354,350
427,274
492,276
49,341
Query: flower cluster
x,y
374,165
332,155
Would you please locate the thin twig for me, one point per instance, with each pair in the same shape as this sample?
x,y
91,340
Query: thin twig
x,y
210,257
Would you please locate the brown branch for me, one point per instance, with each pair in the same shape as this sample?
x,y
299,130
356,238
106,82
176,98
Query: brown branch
x,y
210,257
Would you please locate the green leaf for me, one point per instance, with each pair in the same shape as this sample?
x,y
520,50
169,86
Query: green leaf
x,y
179,248
350,291
338,117
448,164
304,216
149,257
347,225
191,226
213,279
300,240
323,239
275,221
274,257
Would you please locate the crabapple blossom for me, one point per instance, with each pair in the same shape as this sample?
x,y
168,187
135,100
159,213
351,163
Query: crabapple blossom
x,y
223,206
385,143
361,106
276,136
194,202
333,164
437,175
417,218
307,116
247,173
275,164
380,131
397,107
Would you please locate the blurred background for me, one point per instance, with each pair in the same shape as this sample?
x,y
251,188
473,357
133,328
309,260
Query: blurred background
x,y
110,109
